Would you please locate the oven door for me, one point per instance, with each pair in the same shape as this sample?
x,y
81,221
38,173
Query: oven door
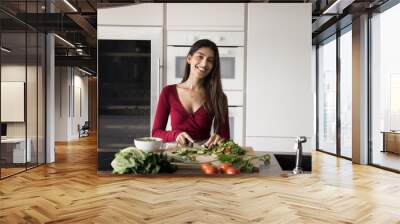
x,y
231,59
236,124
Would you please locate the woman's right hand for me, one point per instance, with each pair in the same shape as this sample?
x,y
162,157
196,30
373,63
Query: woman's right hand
x,y
182,138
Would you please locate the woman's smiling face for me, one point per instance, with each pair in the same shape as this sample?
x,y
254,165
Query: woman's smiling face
x,y
201,62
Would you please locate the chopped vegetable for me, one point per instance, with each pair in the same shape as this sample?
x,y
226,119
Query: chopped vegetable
x,y
226,152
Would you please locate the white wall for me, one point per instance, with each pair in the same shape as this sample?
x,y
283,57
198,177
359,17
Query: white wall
x,y
79,117
61,103
12,73
33,125
70,84
12,101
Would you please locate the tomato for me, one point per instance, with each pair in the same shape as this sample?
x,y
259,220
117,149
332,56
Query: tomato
x,y
232,170
209,169
205,166
225,166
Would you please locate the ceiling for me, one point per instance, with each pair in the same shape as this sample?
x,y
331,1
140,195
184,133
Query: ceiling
x,y
77,22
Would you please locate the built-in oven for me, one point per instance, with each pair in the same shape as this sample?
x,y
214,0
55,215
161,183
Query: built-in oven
x,y
231,50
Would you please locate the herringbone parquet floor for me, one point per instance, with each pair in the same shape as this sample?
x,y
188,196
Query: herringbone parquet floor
x,y
70,191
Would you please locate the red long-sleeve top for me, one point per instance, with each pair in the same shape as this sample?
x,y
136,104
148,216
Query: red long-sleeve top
x,y
197,124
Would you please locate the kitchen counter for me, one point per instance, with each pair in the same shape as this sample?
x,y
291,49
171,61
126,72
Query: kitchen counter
x,y
272,168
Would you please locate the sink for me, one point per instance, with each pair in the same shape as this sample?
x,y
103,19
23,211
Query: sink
x,y
287,162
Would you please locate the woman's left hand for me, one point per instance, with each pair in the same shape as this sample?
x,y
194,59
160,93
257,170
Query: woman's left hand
x,y
213,140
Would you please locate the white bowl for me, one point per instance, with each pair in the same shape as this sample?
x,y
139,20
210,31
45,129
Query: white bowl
x,y
148,144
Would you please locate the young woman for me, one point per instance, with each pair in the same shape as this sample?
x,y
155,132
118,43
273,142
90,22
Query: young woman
x,y
197,103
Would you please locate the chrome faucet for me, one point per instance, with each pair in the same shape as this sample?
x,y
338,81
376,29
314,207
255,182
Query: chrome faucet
x,y
299,154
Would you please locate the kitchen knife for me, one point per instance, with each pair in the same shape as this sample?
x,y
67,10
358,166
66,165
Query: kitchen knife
x,y
196,145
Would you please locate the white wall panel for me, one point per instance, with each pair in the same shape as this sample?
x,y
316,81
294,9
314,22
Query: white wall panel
x,y
14,73
62,114
71,100
12,101
279,79
277,144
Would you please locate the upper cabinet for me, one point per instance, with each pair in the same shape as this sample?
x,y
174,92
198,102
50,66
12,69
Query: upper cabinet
x,y
187,38
220,16
149,14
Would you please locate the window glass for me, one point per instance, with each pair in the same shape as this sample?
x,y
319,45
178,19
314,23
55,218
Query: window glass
x,y
385,87
327,96
346,94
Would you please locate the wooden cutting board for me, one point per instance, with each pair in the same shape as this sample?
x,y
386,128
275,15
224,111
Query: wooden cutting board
x,y
197,165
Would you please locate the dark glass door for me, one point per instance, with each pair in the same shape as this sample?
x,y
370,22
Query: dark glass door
x,y
124,84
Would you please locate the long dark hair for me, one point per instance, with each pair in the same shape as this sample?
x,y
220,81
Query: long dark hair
x,y
216,101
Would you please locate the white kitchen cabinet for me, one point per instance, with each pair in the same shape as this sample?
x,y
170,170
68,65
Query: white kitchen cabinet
x,y
235,98
279,91
146,14
220,38
235,115
205,16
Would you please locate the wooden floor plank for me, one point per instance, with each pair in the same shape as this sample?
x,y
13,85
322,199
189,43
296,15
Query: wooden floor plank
x,y
70,191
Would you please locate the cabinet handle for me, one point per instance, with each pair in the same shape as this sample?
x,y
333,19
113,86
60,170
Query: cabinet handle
x,y
160,79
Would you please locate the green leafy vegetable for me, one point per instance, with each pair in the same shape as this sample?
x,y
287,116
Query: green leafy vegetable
x,y
133,160
228,147
227,151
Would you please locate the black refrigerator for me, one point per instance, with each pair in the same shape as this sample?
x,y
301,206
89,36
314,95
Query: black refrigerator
x,y
124,96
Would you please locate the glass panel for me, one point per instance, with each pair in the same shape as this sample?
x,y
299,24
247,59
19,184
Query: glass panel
x,y
124,94
327,96
227,67
394,102
180,64
13,87
385,89
3,156
31,100
41,98
346,94
20,79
